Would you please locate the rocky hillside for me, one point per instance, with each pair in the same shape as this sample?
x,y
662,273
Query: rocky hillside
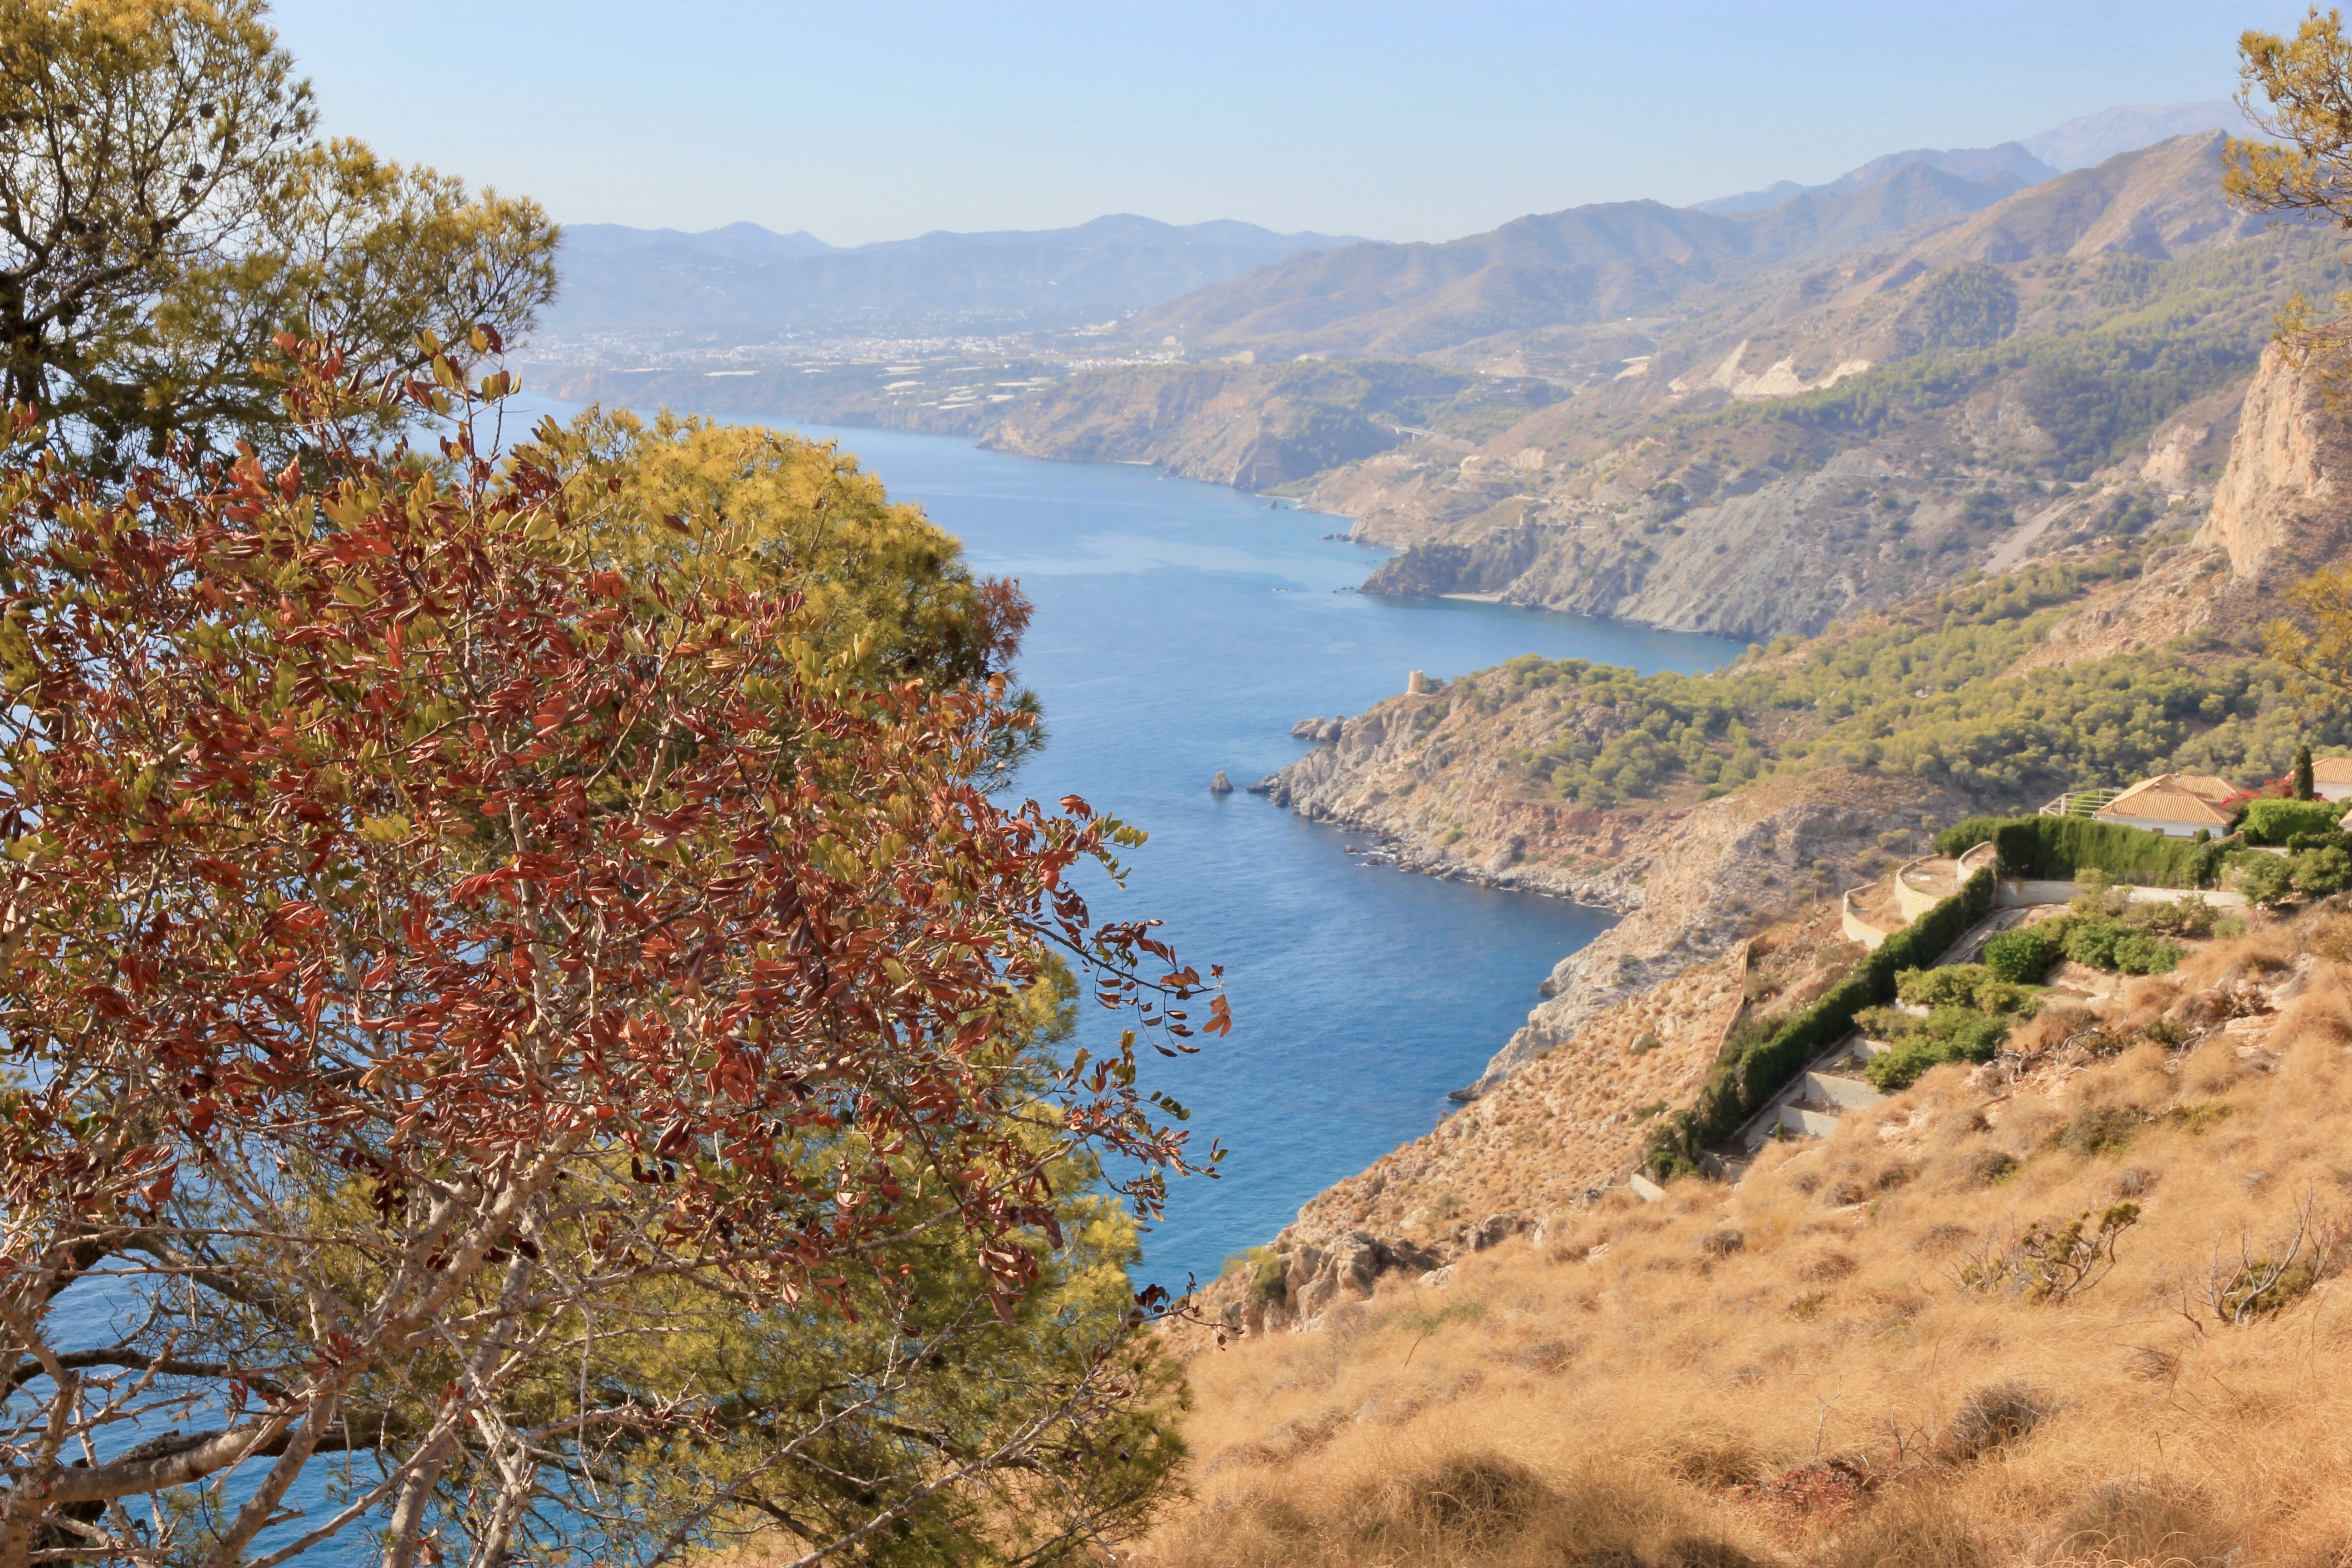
x,y
1799,426
2075,1305
1702,807
1258,426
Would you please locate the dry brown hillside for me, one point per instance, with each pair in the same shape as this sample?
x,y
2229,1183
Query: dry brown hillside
x,y
2080,1305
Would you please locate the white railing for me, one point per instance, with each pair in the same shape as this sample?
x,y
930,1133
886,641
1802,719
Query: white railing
x,y
2080,802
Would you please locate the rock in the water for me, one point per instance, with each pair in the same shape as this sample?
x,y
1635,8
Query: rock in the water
x,y
1220,784
1307,729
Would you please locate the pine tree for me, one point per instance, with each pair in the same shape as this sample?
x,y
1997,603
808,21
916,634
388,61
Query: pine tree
x,y
2303,790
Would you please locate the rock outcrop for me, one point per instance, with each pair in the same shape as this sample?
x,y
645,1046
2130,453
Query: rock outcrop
x,y
2281,507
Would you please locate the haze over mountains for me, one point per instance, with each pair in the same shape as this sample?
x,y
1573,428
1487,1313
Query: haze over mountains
x,y
746,275
2077,145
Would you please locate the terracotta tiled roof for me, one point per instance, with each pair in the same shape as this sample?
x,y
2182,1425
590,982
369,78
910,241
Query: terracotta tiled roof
x,y
2206,785
2331,770
2166,798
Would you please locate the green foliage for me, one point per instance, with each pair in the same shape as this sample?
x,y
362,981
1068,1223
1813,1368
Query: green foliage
x,y
2062,847
2106,943
1751,1070
1970,306
2096,394
2319,872
1966,833
1924,693
1267,1276
170,212
2049,1261
2304,785
2189,916
1945,1034
2021,956
2266,878
1970,985
2274,822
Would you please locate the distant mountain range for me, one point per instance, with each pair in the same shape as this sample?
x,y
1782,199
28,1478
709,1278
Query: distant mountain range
x,y
1606,262
743,275
1578,271
2077,145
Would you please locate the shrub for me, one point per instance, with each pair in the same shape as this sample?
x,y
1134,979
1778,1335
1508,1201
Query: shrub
x,y
1971,986
1945,1034
2191,916
2275,821
1953,985
2021,956
2318,872
2138,953
2266,878
2104,943
1993,1417
1968,833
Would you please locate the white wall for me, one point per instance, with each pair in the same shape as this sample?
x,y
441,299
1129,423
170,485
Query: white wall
x,y
2155,824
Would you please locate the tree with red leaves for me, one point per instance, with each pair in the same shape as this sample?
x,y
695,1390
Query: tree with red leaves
x,y
451,985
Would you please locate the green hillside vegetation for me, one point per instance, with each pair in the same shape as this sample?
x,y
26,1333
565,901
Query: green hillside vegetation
x,y
1920,691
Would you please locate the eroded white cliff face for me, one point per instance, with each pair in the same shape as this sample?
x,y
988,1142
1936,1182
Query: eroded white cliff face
x,y
2280,505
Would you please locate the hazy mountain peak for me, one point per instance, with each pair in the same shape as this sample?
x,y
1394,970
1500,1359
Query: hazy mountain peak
x,y
2010,158
2094,138
2079,143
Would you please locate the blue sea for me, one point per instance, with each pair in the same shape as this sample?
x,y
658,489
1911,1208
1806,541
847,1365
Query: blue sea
x,y
1182,629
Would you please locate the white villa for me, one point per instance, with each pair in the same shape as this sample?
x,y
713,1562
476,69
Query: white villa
x,y
2331,778
2177,804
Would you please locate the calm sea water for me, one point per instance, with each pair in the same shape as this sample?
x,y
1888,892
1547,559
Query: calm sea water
x,y
1182,629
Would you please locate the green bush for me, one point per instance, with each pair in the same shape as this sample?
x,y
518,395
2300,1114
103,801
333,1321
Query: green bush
x,y
2276,821
2266,878
2138,953
2319,872
1945,1034
2191,916
2104,943
2023,956
1954,985
1972,985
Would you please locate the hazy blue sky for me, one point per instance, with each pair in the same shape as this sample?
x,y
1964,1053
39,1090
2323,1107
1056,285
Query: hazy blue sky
x,y
863,120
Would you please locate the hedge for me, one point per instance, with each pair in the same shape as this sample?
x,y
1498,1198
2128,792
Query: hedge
x,y
2276,821
1968,833
2060,846
1743,1080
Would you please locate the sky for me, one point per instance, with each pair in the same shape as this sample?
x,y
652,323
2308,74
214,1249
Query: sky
x,y
865,119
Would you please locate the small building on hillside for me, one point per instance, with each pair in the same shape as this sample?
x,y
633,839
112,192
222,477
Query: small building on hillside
x,y
2175,804
2331,778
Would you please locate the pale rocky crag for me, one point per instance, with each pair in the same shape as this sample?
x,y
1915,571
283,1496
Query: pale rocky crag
x,y
2282,506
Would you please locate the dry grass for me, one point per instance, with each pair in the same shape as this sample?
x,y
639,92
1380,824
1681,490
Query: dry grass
x,y
1793,1373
